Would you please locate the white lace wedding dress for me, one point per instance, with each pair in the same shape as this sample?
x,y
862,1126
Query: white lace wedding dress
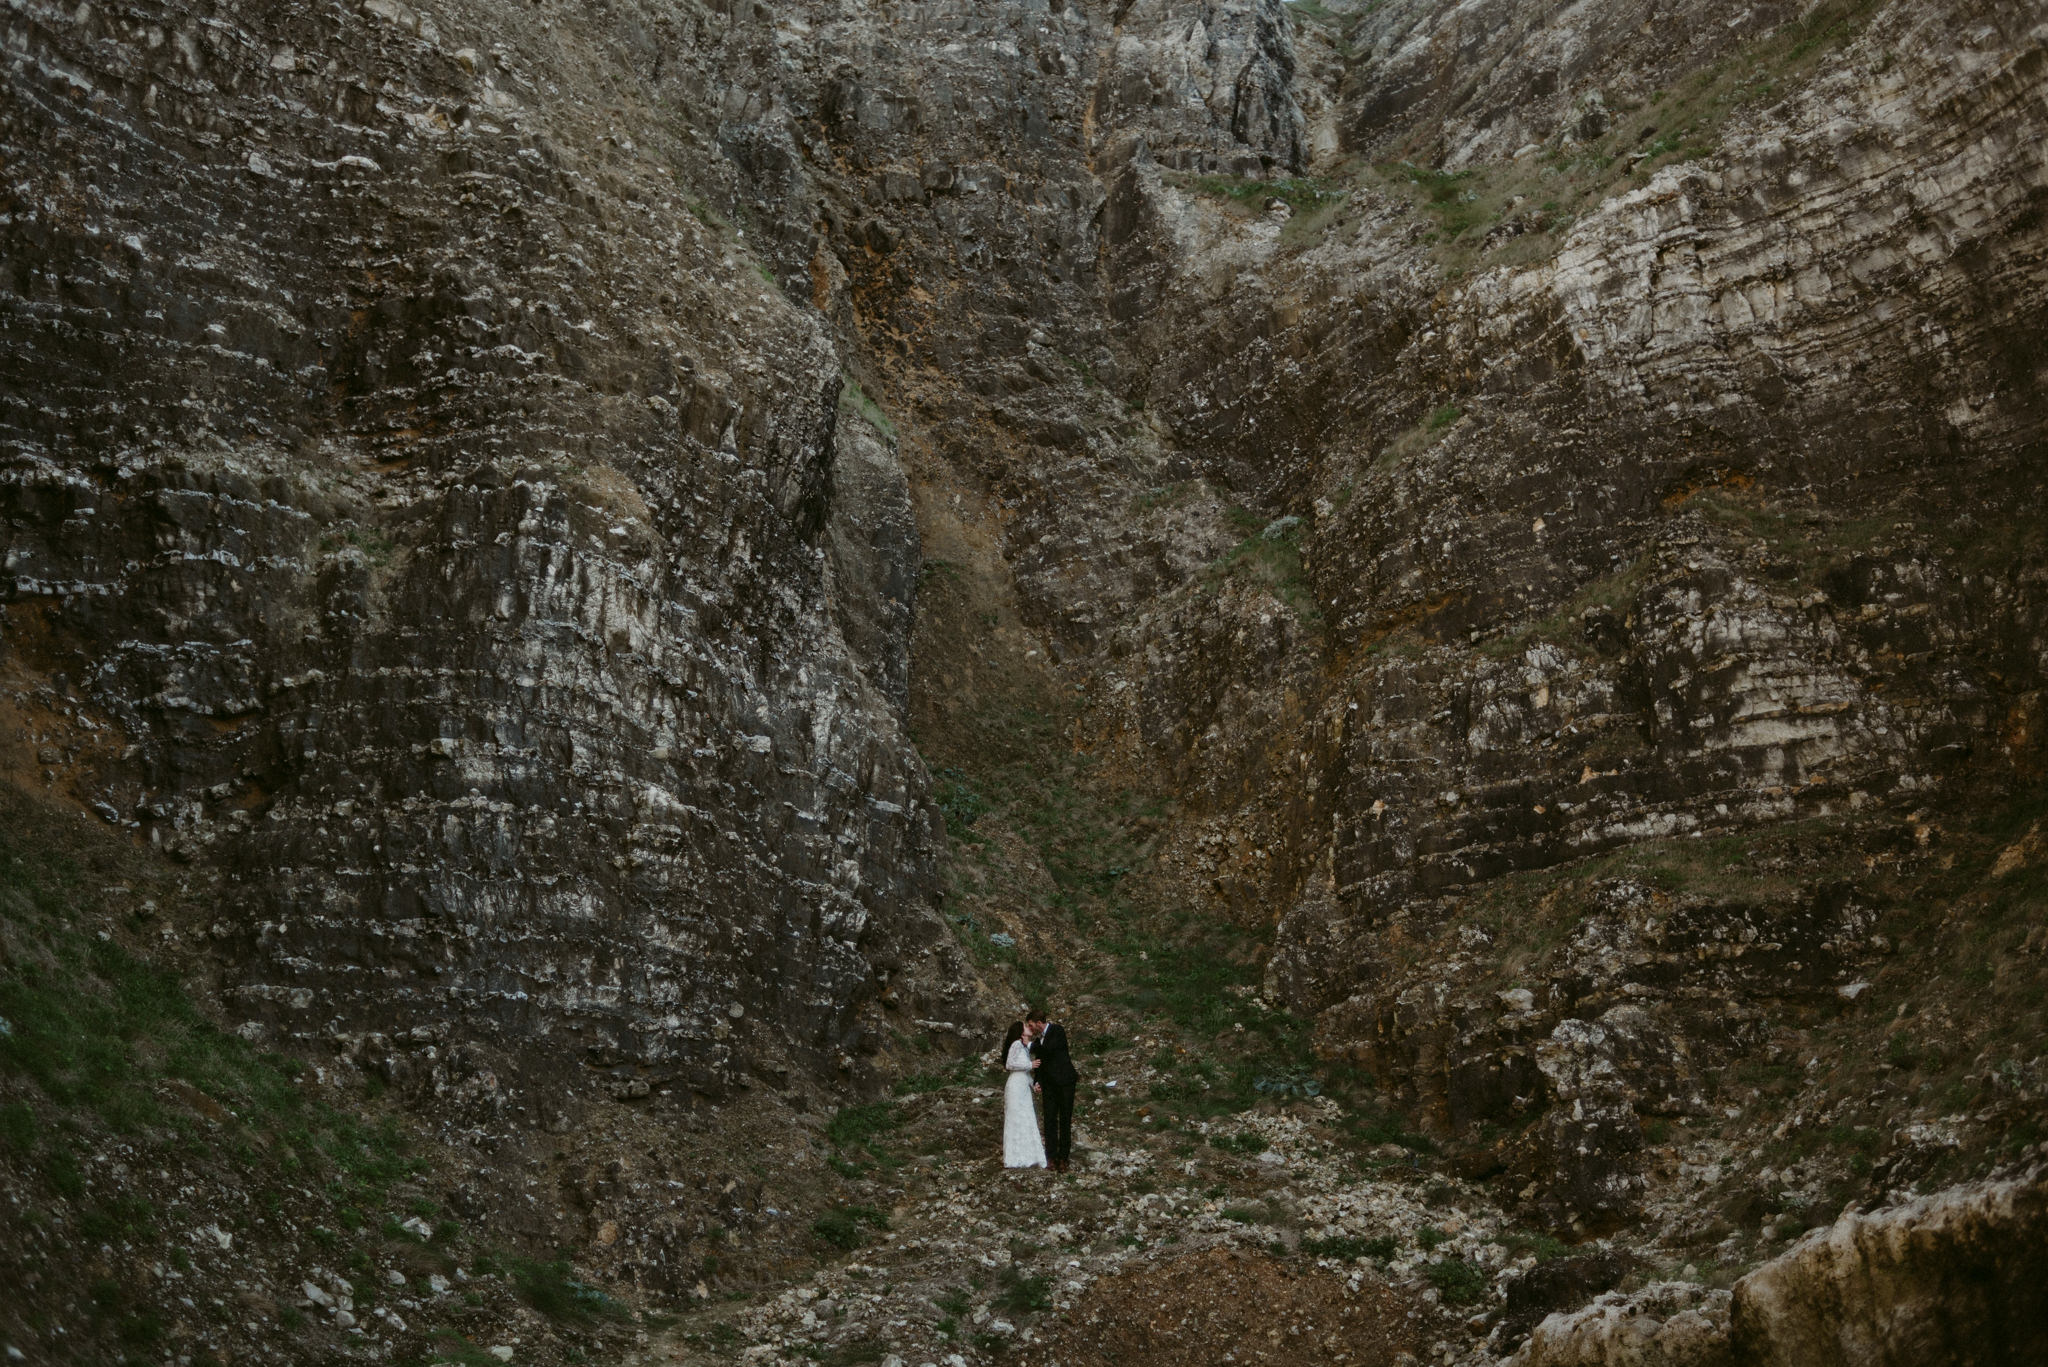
x,y
1022,1146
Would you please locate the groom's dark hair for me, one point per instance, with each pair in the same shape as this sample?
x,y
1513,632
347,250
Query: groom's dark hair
x,y
1036,1013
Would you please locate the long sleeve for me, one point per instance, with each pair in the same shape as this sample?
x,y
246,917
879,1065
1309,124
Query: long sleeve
x,y
1052,1053
1019,1060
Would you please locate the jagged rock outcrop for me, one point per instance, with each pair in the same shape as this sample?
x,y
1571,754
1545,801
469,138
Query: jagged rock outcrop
x,y
1943,1279
1946,1279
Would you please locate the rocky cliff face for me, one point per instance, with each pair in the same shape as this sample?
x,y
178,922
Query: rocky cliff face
x,y
1546,499
445,535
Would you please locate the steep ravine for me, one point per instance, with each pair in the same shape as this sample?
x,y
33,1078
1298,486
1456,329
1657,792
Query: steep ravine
x,y
596,592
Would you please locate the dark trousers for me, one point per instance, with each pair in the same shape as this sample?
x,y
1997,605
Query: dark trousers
x,y
1057,1101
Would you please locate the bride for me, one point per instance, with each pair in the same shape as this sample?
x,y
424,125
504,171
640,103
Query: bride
x,y
1022,1147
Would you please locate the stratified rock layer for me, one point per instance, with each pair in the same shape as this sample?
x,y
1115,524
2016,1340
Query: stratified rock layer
x,y
448,505
436,509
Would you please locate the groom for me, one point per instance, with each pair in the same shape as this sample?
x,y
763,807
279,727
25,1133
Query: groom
x,y
1054,1081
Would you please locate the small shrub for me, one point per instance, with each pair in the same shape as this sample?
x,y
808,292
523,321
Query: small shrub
x,y
1345,1247
846,1227
61,1168
18,1126
1022,1293
958,802
1251,1141
1384,1127
1542,1245
118,1218
141,1330
1288,1082
1456,1281
1429,1236
553,1290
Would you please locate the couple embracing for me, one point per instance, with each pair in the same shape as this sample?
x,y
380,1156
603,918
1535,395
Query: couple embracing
x,y
1036,1058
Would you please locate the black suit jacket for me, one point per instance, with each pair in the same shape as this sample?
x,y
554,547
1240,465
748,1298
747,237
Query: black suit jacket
x,y
1056,1065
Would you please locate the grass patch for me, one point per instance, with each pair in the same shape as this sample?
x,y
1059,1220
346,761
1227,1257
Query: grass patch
x,y
1508,212
99,1033
1270,558
1416,440
553,1289
1312,202
860,1126
959,1073
1369,1126
1165,496
1452,197
1298,193
853,399
848,1227
1566,623
957,802
104,1053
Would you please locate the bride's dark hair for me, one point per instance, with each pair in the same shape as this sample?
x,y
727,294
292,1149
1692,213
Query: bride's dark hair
x,y
1016,1033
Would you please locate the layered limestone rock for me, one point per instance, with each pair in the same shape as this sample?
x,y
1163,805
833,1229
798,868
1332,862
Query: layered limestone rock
x,y
1943,1279
1714,516
456,502
1949,1278
436,510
